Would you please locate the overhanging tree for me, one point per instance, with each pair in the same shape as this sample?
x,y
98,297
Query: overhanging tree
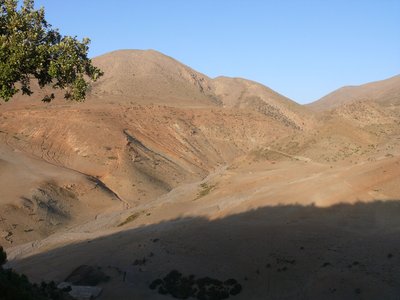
x,y
30,48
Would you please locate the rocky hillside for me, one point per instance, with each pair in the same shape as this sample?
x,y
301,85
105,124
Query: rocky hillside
x,y
241,93
147,77
385,92
149,125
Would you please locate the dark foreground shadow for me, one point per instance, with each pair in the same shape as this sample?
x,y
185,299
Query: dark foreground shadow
x,y
346,251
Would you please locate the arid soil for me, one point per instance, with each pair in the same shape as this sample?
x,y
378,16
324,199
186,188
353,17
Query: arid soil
x,y
163,168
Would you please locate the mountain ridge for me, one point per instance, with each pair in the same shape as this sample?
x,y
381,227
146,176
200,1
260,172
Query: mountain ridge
x,y
149,76
385,92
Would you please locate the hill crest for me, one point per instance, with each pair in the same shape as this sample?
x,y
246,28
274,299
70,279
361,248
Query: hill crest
x,y
385,92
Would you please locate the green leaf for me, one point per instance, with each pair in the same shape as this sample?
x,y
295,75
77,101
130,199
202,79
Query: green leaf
x,y
31,48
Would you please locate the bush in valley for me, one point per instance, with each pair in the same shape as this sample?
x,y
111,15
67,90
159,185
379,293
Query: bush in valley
x,y
14,286
206,288
129,219
205,190
3,257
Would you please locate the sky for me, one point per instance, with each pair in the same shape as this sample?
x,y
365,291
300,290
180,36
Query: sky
x,y
302,49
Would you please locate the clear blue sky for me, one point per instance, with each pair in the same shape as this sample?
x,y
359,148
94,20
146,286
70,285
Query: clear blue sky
x,y
301,48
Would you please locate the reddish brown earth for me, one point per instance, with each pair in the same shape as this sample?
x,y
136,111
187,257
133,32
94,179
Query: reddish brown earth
x,y
214,177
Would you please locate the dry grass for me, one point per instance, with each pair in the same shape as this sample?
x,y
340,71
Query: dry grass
x,y
129,219
205,189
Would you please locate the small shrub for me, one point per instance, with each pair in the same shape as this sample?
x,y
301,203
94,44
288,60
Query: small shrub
x,y
129,219
205,189
183,287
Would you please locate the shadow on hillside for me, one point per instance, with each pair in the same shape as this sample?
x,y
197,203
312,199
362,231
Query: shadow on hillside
x,y
346,251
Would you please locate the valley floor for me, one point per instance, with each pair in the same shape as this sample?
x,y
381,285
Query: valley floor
x,y
284,230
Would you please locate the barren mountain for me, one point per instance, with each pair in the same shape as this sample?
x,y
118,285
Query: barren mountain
x,y
163,168
356,123
241,93
134,148
385,92
147,77
151,77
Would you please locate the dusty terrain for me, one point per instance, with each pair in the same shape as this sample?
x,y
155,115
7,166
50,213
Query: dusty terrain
x,y
164,168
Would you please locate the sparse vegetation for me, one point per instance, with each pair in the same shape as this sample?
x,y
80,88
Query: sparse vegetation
x,y
205,189
140,262
129,219
183,287
267,154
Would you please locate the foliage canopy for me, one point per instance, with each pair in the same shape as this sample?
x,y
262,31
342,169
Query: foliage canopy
x,y
31,49
14,286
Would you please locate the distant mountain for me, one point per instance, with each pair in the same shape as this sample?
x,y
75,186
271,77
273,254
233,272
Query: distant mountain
x,y
385,92
243,93
148,76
